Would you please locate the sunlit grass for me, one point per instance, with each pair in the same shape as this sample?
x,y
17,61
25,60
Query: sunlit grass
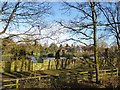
x,y
73,70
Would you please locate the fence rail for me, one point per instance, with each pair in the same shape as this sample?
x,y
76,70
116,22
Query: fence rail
x,y
91,75
19,79
111,72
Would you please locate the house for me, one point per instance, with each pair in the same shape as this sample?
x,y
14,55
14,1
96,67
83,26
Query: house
x,y
66,49
83,49
88,49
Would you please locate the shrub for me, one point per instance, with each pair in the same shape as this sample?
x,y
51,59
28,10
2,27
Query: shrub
x,y
113,82
44,55
86,56
69,56
51,55
64,55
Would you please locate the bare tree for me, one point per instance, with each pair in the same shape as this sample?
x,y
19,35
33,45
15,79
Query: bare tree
x,y
28,15
111,12
85,26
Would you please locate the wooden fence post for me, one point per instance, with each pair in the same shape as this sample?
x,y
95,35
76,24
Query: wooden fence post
x,y
112,72
39,78
74,63
117,71
17,81
104,73
49,64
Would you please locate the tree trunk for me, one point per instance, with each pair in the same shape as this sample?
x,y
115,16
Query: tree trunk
x,y
118,20
95,43
118,41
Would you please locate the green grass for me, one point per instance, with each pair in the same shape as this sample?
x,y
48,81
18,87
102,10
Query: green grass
x,y
7,55
107,67
54,72
65,76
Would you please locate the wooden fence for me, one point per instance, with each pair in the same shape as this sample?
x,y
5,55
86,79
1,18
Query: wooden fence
x,y
90,75
81,75
17,81
107,73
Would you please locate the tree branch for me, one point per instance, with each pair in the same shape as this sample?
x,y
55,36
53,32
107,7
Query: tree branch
x,y
75,30
14,10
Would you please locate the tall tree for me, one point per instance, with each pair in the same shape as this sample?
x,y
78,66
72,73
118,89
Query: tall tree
x,y
53,48
94,19
5,48
88,11
60,46
67,45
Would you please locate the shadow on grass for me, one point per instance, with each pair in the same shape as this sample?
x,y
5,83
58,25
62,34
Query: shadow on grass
x,y
24,73
7,75
73,83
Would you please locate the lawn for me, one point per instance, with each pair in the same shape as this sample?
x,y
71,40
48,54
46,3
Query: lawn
x,y
65,78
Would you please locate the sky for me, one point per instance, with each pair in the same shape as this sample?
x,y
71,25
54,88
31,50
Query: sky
x,y
60,14
57,15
